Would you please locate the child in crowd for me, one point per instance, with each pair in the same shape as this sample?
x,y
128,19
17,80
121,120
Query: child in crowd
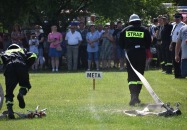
x,y
33,47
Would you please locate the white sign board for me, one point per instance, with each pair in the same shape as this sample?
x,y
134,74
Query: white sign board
x,y
94,75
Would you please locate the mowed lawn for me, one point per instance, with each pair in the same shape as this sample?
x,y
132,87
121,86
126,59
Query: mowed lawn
x,y
72,104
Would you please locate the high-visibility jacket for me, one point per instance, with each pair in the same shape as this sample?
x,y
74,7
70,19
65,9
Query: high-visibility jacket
x,y
16,54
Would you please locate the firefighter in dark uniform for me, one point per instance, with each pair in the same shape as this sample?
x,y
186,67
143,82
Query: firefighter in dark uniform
x,y
17,62
136,40
166,40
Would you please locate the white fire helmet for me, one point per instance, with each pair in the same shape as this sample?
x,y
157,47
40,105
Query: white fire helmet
x,y
134,17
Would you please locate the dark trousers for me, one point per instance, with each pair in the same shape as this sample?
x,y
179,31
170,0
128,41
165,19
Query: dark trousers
x,y
161,55
16,73
137,58
168,58
176,65
165,57
83,57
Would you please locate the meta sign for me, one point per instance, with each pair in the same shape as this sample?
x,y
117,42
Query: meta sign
x,y
93,75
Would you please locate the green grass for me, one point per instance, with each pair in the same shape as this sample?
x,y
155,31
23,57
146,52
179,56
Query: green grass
x,y
73,104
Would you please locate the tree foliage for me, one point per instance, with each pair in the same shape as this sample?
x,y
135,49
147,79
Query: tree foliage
x,y
30,12
10,11
122,9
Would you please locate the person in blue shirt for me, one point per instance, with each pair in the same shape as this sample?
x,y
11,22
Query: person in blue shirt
x,y
92,39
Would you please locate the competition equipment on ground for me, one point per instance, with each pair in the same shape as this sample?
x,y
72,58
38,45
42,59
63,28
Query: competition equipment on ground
x,y
169,111
1,97
30,114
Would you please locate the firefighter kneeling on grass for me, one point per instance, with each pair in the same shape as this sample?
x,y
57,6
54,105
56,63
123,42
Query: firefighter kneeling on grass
x,y
135,39
17,62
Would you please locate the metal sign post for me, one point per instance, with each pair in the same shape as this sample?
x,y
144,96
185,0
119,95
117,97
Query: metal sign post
x,y
93,84
93,75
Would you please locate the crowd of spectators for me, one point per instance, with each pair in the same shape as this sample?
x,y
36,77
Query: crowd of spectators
x,y
165,36
96,47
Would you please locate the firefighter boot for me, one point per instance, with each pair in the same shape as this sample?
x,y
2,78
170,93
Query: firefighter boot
x,y
163,67
134,99
169,69
21,100
10,112
134,90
